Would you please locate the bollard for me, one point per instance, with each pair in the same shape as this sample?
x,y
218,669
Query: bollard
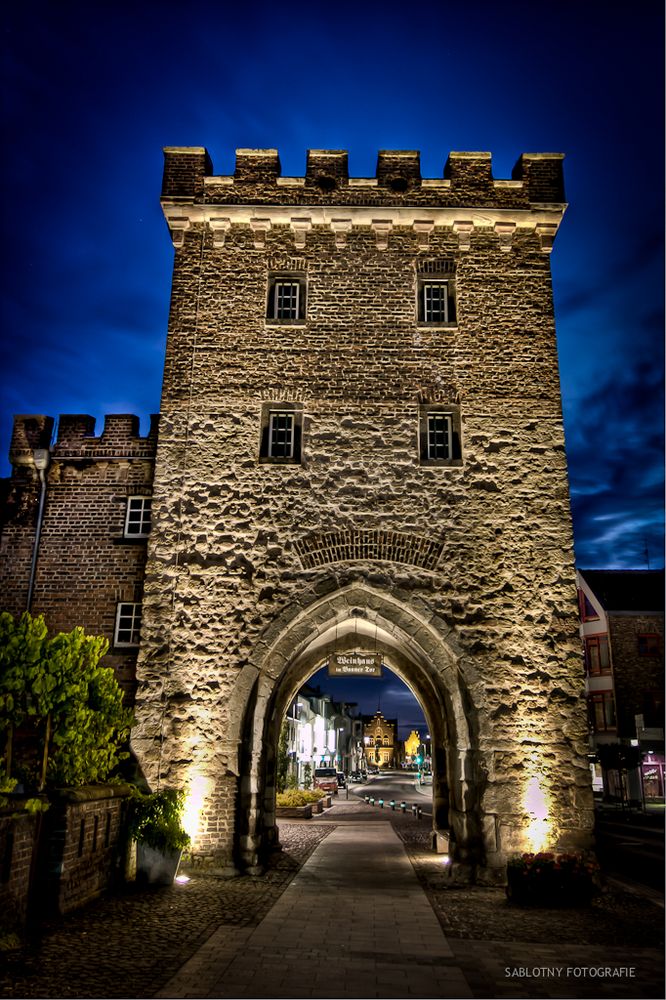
x,y
372,801
418,812
381,803
392,805
403,806
414,808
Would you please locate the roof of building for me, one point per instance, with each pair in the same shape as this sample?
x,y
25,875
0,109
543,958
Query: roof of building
x,y
627,589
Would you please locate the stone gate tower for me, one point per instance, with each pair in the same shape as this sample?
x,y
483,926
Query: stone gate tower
x,y
361,447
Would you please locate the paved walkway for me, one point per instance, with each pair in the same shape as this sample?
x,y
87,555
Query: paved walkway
x,y
354,922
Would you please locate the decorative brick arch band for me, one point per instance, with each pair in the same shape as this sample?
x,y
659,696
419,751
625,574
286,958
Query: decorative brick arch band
x,y
360,544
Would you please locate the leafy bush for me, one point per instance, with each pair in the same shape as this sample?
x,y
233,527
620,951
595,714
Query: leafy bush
x,y
293,797
156,819
74,704
299,797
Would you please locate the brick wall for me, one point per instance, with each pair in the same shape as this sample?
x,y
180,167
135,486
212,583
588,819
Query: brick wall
x,y
18,832
85,566
636,678
83,844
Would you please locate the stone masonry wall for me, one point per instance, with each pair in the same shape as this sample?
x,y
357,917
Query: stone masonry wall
x,y
637,679
85,566
228,553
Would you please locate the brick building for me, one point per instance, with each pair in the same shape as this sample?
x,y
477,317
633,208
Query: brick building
x,y
622,628
87,499
360,448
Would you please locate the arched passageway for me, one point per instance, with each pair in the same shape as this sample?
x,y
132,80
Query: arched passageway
x,y
359,617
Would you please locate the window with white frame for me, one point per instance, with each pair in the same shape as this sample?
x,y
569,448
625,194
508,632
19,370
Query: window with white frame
x,y
281,431
137,517
436,304
286,298
128,624
435,301
439,432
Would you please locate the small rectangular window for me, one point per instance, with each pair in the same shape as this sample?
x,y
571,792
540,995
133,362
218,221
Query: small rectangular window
x,y
286,299
137,518
281,431
128,625
602,711
436,303
281,435
597,658
439,433
649,645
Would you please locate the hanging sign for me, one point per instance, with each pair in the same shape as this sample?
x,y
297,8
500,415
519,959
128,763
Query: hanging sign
x,y
355,665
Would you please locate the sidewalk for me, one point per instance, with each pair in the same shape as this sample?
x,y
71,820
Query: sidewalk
x,y
354,922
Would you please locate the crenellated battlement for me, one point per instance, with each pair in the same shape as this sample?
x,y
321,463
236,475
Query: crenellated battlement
x,y
467,180
466,198
75,437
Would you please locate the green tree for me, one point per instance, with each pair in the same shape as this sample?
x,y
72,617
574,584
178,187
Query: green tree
x,y
22,675
59,686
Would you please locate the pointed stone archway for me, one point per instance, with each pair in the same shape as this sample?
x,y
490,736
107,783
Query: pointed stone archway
x,y
359,616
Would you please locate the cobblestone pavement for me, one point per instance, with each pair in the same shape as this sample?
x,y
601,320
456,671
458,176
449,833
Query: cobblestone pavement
x,y
129,945
132,944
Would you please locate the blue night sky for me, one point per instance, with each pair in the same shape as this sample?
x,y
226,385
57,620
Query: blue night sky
x,y
93,91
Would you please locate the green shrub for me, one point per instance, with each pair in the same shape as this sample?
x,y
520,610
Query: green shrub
x,y
156,819
292,797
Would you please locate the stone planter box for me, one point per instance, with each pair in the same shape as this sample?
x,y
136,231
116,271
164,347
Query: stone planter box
x,y
317,807
294,812
156,867
327,802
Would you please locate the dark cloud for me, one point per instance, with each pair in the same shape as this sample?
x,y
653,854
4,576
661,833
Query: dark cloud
x,y
615,449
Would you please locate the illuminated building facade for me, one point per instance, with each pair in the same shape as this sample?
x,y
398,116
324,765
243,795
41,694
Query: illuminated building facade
x,y
379,739
360,449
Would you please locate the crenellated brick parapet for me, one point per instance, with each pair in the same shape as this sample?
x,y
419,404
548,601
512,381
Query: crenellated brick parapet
x,y
467,179
75,437
466,199
120,437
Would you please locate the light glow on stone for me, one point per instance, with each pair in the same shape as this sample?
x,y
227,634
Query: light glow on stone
x,y
197,793
536,806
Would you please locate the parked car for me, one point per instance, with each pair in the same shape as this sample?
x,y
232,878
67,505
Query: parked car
x,y
326,778
342,781
356,776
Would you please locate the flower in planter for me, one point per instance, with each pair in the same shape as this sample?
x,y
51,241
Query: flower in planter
x,y
551,878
